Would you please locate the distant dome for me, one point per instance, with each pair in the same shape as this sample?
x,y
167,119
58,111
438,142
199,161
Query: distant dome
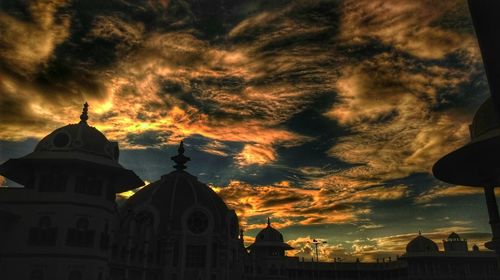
x,y
269,234
79,144
182,202
421,244
475,248
454,236
270,237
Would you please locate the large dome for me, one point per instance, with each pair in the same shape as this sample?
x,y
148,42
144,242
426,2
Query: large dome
x,y
184,203
421,244
76,144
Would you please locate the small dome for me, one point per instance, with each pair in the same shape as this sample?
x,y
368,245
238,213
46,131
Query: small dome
x,y
421,244
269,234
181,201
475,248
270,237
454,236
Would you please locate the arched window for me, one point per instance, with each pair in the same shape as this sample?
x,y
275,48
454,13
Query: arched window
x,y
75,275
80,235
215,254
197,222
53,182
104,242
43,234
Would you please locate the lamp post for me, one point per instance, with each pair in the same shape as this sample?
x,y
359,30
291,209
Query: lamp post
x,y
316,243
477,163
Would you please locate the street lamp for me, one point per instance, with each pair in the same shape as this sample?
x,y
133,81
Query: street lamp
x,y
316,243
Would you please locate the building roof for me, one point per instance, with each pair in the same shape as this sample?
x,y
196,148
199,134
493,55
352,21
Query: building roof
x,y
179,193
270,237
421,244
76,144
454,236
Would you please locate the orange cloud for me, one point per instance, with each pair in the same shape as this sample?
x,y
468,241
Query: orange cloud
x,y
256,154
28,45
407,25
394,129
290,205
448,191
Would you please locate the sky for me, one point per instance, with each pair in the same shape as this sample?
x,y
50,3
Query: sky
x,y
326,116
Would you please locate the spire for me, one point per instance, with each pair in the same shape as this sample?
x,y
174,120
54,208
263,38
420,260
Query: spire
x,y
84,116
268,221
419,232
180,159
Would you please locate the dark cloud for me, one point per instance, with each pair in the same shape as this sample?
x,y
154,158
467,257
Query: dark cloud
x,y
317,112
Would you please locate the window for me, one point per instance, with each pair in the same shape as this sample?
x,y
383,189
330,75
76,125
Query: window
x,y
215,254
43,234
175,257
104,242
80,236
197,222
110,194
88,185
196,255
53,182
61,140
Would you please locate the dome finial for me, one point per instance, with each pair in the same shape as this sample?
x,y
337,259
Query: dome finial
x,y
84,116
419,232
180,159
268,221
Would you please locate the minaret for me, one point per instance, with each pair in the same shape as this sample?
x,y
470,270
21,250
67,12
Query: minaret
x,y
68,204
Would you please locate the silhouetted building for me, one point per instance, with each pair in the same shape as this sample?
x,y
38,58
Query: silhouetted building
x,y
455,244
425,261
65,224
58,225
267,253
177,228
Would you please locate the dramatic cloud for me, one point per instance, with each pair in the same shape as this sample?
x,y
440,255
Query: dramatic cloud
x,y
448,191
293,205
27,45
317,113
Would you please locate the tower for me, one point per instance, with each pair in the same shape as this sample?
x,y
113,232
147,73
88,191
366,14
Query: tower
x,y
268,254
67,205
455,244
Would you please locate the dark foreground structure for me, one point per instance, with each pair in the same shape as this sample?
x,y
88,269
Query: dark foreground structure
x,y
65,224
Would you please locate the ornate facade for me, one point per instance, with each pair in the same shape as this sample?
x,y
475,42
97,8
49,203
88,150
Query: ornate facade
x,y
65,224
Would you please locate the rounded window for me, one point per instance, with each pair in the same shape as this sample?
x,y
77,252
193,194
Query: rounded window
x,y
61,140
197,222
